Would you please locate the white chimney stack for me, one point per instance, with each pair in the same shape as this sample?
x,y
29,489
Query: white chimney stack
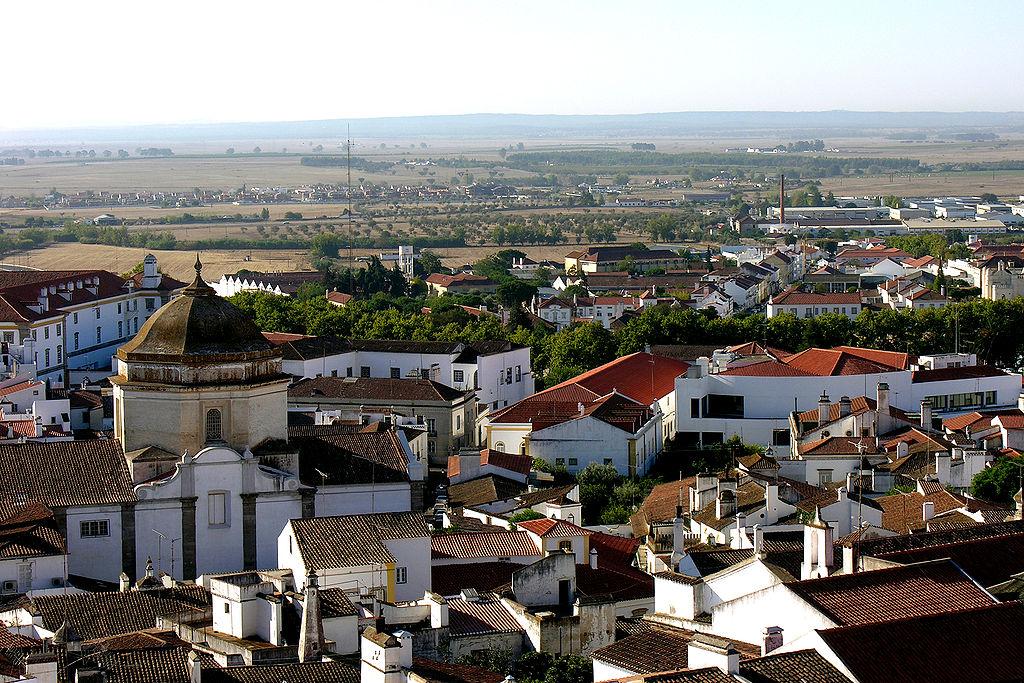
x,y
927,510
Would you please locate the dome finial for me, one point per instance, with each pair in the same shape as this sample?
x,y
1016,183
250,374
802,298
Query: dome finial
x,y
199,265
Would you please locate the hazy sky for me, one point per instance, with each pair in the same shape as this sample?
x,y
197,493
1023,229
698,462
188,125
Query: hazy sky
x,y
75,62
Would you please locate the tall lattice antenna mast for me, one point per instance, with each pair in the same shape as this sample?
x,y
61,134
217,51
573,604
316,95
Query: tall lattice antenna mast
x,y
351,235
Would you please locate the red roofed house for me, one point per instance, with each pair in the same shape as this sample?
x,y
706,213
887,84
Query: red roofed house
x,y
617,414
810,304
470,464
57,320
439,283
727,395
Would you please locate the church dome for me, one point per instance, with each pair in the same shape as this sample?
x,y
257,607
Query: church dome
x,y
198,326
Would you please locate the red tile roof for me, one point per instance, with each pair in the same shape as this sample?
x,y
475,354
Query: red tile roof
x,y
19,386
339,297
482,545
893,593
794,296
974,644
467,279
514,462
556,528
904,512
643,377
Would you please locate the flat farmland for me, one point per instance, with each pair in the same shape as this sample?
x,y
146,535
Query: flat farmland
x,y
1005,184
216,262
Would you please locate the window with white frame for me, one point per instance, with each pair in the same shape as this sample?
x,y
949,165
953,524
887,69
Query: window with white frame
x,y
218,508
401,574
94,528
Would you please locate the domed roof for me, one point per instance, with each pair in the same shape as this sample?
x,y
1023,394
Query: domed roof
x,y
198,325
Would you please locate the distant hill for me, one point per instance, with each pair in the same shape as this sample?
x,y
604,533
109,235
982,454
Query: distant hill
x,y
526,126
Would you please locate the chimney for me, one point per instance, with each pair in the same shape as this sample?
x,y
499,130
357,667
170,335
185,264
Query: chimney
x,y
195,667
705,651
844,406
926,413
593,558
772,640
883,420
311,633
822,409
725,504
817,548
758,541
126,583
927,510
678,532
741,531
1020,401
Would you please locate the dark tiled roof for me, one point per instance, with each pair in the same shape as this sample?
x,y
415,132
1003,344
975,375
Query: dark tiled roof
x,y
979,644
805,666
443,672
168,664
963,372
346,456
988,561
29,531
96,615
66,473
482,490
481,616
306,672
881,547
451,579
374,389
660,648
354,540
893,593
334,603
708,675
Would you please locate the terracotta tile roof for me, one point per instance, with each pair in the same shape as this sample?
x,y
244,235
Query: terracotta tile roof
x,y
643,377
20,386
339,297
805,666
554,528
495,544
904,512
975,420
20,291
1012,421
758,462
514,462
460,280
67,473
614,550
326,543
839,445
660,648
374,389
30,530
97,615
749,497
478,617
768,368
660,505
619,583
893,593
707,675
973,644
858,406
795,297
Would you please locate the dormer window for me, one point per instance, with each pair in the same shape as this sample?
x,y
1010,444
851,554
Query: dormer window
x,y
214,425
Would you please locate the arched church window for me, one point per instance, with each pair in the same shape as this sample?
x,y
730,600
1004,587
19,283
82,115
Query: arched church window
x,y
214,430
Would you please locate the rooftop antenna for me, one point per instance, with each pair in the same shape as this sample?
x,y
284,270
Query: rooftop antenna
x,y
348,156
